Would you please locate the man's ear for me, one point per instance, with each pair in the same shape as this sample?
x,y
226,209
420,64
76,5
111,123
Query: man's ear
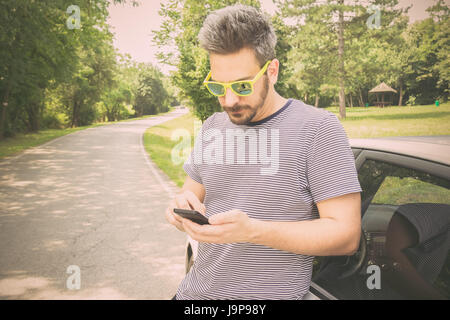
x,y
272,71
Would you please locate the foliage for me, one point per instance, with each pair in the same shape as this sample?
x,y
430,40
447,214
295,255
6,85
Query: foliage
x,y
151,96
182,22
55,76
52,76
315,60
408,57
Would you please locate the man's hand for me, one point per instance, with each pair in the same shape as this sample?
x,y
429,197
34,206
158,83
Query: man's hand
x,y
225,227
185,200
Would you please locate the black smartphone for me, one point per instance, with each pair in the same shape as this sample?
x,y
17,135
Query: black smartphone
x,y
192,215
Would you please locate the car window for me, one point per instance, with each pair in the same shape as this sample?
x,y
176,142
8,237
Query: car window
x,y
405,221
397,191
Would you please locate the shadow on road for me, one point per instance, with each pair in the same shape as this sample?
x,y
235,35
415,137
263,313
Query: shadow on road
x,y
88,199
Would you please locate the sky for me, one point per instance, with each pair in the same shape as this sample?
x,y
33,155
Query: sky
x,y
133,26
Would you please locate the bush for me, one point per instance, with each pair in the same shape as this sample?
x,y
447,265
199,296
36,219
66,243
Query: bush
x,y
411,101
54,121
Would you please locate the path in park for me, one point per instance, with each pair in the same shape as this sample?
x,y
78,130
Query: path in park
x,y
92,199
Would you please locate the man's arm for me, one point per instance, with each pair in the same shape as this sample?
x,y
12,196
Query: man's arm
x,y
336,232
196,188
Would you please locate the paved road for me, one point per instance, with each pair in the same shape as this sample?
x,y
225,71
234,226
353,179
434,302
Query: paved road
x,y
91,199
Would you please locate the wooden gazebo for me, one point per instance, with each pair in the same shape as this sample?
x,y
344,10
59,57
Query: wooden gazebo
x,y
382,88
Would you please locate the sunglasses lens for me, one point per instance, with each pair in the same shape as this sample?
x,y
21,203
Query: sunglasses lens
x,y
242,88
216,89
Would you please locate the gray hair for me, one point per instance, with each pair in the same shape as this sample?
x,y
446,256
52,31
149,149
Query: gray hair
x,y
233,28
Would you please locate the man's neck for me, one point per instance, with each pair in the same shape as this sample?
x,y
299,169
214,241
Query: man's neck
x,y
273,103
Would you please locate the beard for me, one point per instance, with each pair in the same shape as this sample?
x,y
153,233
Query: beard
x,y
247,112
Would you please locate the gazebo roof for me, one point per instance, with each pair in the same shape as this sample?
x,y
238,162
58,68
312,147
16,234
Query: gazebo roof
x,y
382,87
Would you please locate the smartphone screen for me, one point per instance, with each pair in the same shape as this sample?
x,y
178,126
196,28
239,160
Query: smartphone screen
x,y
192,215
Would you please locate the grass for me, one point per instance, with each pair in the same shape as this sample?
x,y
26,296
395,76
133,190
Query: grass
x,y
370,122
397,191
159,144
366,122
22,141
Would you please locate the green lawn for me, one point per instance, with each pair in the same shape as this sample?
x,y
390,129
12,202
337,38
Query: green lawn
x,y
360,123
158,143
396,121
13,145
20,142
397,191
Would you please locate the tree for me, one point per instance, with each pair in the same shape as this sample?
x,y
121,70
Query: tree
x,y
114,101
284,46
151,96
36,49
311,59
42,60
94,78
326,30
430,42
379,55
180,27
440,14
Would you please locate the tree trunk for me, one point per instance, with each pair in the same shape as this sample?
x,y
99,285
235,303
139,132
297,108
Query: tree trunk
x,y
4,106
341,62
33,117
2,121
75,115
306,98
316,104
361,100
400,98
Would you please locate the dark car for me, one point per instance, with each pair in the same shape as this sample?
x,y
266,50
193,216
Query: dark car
x,y
405,211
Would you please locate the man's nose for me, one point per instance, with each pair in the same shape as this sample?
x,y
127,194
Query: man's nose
x,y
230,98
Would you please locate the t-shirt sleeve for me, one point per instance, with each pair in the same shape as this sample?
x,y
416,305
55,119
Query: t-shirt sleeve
x,y
191,168
331,170
192,165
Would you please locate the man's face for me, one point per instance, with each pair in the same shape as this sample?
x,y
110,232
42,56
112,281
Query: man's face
x,y
239,66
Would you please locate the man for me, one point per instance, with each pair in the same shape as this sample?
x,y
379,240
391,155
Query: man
x,y
265,226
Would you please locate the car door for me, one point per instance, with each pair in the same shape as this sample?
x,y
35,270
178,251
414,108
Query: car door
x,y
405,240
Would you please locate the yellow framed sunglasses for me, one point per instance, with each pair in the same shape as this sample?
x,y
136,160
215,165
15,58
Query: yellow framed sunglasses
x,y
241,88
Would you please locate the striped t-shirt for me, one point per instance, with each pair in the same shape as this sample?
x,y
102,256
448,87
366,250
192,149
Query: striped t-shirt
x,y
290,160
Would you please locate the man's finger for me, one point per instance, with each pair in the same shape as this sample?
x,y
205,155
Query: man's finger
x,y
195,202
203,233
181,202
224,217
173,219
